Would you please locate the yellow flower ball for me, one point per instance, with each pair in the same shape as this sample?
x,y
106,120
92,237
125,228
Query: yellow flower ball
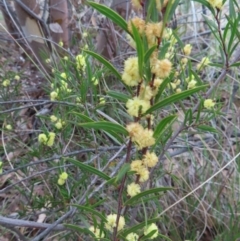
x,y
63,75
204,62
148,229
42,138
17,77
132,237
162,68
137,106
133,189
209,103
138,23
9,127
144,174
150,159
61,182
6,82
130,74
53,118
216,3
53,95
98,234
51,138
63,176
80,61
192,84
59,125
111,222
187,49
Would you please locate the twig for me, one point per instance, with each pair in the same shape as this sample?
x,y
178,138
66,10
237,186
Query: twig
x,y
103,149
12,222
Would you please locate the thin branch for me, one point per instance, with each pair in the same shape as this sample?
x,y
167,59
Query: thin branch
x,y
12,222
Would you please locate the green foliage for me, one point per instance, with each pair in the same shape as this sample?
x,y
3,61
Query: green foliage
x,y
174,143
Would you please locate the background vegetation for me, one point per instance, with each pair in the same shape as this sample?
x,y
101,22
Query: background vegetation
x,y
66,149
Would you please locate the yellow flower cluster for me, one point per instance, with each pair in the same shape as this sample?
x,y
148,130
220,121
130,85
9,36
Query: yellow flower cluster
x,y
111,222
216,3
132,237
148,229
130,74
150,159
48,139
162,68
17,77
146,92
138,23
153,31
137,106
133,189
6,83
63,76
9,127
53,95
94,81
142,137
98,234
187,49
140,170
58,122
204,62
62,178
192,84
64,86
209,103
80,62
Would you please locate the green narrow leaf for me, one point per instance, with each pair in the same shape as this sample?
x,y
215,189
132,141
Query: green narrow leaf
x,y
105,126
83,230
109,13
163,124
147,192
90,210
162,87
174,98
140,49
235,64
89,169
108,66
115,137
171,7
207,128
188,117
82,117
214,28
152,13
207,4
119,96
164,50
77,228
149,53
105,63
124,169
137,227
